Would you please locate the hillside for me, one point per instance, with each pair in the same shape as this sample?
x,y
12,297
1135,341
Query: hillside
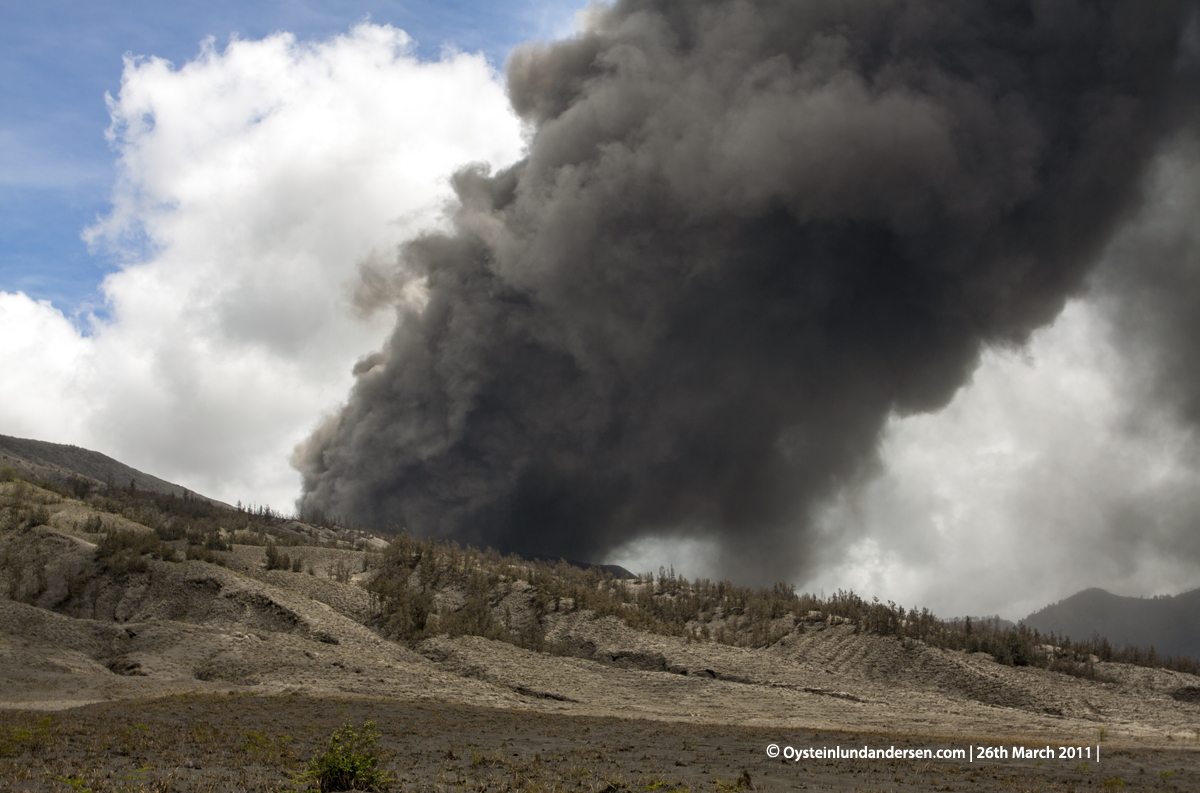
x,y
201,603
63,463
133,596
1170,624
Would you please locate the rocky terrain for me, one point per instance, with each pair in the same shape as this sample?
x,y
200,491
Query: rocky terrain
x,y
80,630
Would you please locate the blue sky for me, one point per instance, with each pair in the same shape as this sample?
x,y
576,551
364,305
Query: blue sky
x,y
59,58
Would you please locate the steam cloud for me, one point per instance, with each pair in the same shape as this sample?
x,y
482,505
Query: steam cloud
x,y
744,235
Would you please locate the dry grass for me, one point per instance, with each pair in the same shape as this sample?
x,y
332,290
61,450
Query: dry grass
x,y
244,743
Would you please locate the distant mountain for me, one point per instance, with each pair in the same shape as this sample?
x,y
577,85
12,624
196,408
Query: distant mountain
x,y
616,569
1170,624
62,463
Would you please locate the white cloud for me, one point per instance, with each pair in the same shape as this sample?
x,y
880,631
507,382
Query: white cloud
x,y
43,358
253,182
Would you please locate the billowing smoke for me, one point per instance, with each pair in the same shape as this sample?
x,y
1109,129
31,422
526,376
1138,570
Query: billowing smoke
x,y
744,235
1151,284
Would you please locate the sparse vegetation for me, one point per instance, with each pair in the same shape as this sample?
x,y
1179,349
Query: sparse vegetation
x,y
15,740
202,554
24,506
120,552
174,517
339,571
260,743
93,525
412,570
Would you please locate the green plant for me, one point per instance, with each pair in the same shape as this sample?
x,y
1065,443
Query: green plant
x,y
350,762
19,740
729,785
7,474
255,740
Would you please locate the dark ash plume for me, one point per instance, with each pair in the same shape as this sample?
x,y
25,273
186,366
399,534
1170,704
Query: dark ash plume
x,y
1150,284
744,234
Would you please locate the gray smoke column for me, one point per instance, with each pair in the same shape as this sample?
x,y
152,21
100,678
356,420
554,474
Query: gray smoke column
x,y
744,234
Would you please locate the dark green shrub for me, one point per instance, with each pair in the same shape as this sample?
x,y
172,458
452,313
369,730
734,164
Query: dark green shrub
x,y
277,560
171,530
120,552
202,554
350,762
26,517
123,562
209,538
340,572
80,488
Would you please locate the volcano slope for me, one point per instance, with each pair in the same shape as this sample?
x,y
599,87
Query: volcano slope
x,y
145,648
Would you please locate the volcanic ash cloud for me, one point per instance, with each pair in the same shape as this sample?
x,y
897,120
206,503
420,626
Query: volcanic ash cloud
x,y
743,236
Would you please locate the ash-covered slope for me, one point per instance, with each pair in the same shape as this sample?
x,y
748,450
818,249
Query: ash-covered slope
x,y
1170,624
61,463
83,620
95,606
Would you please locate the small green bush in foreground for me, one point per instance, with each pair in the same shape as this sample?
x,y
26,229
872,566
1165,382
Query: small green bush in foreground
x,y
349,763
